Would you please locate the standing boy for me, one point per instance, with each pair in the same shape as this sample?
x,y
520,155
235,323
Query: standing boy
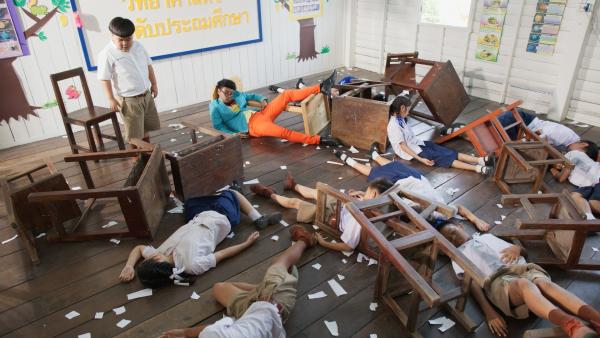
x,y
125,66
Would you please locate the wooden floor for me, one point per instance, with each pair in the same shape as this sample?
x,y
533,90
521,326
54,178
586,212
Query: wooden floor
x,y
84,276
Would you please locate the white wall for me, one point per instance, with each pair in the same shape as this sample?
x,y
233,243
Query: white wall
x,y
545,83
182,81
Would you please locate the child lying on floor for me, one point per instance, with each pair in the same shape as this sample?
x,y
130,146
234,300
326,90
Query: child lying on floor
x,y
190,249
408,146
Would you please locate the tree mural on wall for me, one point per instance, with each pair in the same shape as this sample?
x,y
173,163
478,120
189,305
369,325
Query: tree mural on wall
x,y
12,96
307,35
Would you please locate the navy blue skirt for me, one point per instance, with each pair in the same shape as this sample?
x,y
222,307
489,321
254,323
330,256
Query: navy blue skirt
x,y
442,156
225,203
590,193
393,171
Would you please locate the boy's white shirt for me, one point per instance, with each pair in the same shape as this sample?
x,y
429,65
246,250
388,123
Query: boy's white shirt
x,y
261,320
398,134
128,71
555,133
586,172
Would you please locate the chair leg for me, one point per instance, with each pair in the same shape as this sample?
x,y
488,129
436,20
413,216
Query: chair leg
x,y
99,136
71,138
117,128
90,138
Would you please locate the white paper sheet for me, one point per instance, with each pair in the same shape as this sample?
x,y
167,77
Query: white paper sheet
x,y
343,191
247,163
372,262
254,181
353,150
317,295
173,140
336,163
499,205
283,140
85,335
99,315
373,306
41,235
317,266
332,327
109,224
437,321
447,326
72,314
284,223
255,206
10,239
283,167
119,310
177,126
336,287
123,322
318,148
176,210
195,295
595,249
304,144
315,227
502,217
341,277
344,261
497,222
372,335
347,253
76,188
139,294
452,191
115,241
231,234
224,188
275,238
361,257
178,283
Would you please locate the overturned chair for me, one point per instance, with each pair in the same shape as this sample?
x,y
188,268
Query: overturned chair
x,y
555,231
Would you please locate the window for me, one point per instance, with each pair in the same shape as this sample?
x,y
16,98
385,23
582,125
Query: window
x,y
446,12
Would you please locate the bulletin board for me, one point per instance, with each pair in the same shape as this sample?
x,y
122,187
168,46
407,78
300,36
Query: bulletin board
x,y
12,40
170,28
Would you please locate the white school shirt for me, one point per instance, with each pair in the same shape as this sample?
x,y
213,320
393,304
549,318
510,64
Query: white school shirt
x,y
397,135
261,320
193,244
128,71
484,252
555,133
350,229
586,172
420,186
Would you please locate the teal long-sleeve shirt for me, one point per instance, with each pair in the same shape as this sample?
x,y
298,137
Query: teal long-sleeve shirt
x,y
228,121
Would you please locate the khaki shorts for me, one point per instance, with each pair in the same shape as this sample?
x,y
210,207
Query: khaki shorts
x,y
139,114
307,211
278,285
497,289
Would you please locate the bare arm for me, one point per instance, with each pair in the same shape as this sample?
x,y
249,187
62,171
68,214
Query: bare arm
x,y
333,246
236,249
191,332
113,104
495,321
128,272
405,148
153,85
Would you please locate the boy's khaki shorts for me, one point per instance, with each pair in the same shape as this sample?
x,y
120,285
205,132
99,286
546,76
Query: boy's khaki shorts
x,y
139,114
307,211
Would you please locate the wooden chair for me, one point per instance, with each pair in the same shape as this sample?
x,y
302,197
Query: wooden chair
x,y
27,222
555,238
416,281
441,89
527,162
142,199
88,117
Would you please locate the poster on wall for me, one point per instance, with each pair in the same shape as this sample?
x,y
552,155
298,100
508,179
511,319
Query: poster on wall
x,y
490,29
12,40
303,9
545,27
170,28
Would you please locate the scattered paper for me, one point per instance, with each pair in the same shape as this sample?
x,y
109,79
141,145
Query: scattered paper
x,y
344,260
72,314
341,277
317,295
178,283
119,310
360,257
173,140
332,327
304,144
255,206
224,188
195,295
499,205
275,238
177,126
176,210
343,191
336,287
41,235
247,162
315,227
284,223
123,323
595,249
318,148
115,241
353,150
254,181
502,217
76,188
85,335
452,191
174,111
99,315
139,294
372,335
339,178
317,266
445,322
372,262
540,192
283,167
231,234
10,239
373,307
447,326
497,222
109,224
347,253
336,163
582,125
283,140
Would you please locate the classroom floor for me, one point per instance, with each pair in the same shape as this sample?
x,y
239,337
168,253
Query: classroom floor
x,y
83,277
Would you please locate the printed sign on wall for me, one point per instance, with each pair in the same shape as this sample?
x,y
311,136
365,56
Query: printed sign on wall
x,y
12,40
170,28
546,24
490,30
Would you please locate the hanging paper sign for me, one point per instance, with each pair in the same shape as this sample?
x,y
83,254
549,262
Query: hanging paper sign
x,y
12,40
169,28
546,25
490,30
305,9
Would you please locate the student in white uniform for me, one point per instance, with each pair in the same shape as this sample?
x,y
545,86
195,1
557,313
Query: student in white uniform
x,y
408,146
583,155
517,287
190,249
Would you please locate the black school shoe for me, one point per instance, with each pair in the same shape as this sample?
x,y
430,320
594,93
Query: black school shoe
x,y
274,88
328,83
266,220
330,141
300,82
374,148
490,160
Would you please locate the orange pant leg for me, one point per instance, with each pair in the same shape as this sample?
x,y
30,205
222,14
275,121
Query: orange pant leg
x,y
279,104
260,125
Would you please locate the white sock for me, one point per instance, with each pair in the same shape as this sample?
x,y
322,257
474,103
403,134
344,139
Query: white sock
x,y
280,90
301,85
481,161
254,214
348,160
375,155
479,169
589,216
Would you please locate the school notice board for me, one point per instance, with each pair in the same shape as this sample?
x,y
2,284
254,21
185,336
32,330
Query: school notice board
x,y
169,28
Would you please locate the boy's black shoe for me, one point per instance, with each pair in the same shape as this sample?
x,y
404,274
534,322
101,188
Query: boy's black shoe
x,y
274,88
330,141
328,83
299,82
266,220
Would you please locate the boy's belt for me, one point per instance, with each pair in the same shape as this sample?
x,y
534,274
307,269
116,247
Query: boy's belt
x,y
140,95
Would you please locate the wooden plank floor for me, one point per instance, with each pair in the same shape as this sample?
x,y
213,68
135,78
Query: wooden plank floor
x,y
84,276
